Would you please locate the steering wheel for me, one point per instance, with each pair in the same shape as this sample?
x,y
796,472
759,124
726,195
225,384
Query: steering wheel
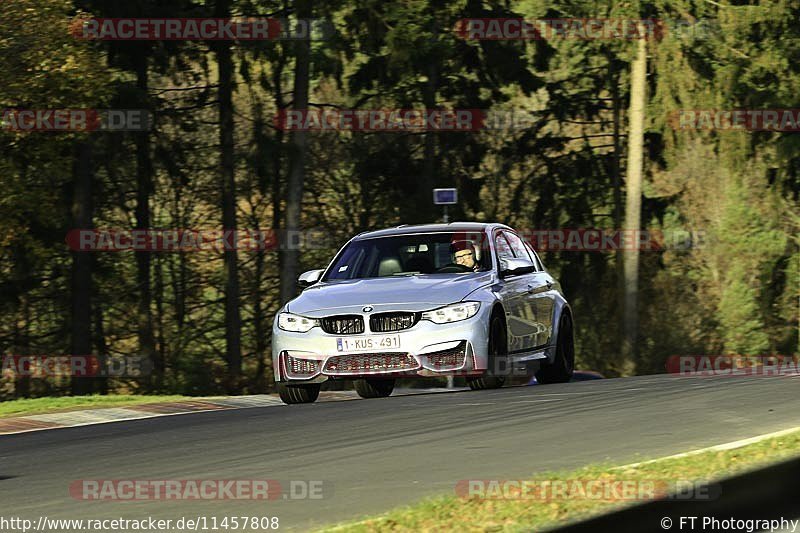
x,y
452,268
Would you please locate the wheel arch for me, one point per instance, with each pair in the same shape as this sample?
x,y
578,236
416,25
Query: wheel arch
x,y
500,311
561,310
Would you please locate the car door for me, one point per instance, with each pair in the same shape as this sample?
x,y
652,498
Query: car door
x,y
513,292
536,305
546,303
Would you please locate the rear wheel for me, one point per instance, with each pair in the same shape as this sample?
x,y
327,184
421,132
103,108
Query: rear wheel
x,y
560,370
291,394
498,347
374,388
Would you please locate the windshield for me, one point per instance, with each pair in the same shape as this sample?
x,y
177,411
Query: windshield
x,y
421,253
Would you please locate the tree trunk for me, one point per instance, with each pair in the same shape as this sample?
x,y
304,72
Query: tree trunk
x,y
144,186
277,189
102,349
21,342
158,297
81,283
424,202
616,177
259,319
297,159
178,278
233,321
259,323
633,198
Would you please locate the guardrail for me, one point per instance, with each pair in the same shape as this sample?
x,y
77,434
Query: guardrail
x,y
769,493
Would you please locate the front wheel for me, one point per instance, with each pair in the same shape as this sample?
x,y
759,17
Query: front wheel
x,y
560,370
374,388
292,394
498,347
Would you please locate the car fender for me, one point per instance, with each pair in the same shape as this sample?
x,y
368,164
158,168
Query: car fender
x,y
561,307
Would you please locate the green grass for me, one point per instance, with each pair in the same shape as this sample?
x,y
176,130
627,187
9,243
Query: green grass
x,y
37,406
449,511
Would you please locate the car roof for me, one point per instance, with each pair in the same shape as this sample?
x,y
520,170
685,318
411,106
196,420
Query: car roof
x,y
406,229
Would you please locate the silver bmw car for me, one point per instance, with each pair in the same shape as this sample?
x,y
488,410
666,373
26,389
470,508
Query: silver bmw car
x,y
459,299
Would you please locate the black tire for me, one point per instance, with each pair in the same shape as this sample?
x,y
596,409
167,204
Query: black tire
x,y
374,388
498,346
292,394
560,370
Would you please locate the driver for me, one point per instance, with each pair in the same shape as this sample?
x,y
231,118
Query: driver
x,y
464,255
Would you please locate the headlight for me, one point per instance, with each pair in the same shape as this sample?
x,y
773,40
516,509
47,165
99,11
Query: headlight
x,y
452,313
297,323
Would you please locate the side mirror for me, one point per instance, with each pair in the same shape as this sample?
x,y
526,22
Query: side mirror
x,y
516,266
309,278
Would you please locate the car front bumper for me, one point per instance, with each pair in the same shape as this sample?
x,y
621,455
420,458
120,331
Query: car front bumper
x,y
426,350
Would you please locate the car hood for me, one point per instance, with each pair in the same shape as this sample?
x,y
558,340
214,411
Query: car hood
x,y
400,293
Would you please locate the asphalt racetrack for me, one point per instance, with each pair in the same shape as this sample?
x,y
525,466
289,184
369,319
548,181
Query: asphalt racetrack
x,y
372,455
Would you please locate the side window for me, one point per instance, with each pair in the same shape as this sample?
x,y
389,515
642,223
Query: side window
x,y
536,260
503,248
518,247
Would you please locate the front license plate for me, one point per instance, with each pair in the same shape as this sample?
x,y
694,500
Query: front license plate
x,y
368,344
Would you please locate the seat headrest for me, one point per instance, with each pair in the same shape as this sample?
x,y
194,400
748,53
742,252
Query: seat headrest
x,y
389,266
